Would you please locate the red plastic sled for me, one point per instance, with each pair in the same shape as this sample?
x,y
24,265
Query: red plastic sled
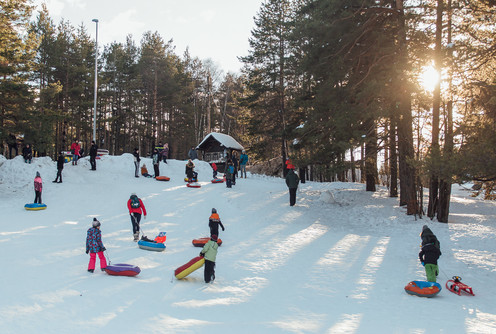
x,y
456,286
193,185
162,178
202,241
189,267
217,180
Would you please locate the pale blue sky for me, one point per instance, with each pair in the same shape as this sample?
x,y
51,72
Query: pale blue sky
x,y
216,29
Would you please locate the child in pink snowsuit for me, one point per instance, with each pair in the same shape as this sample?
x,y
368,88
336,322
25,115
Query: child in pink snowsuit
x,y
38,186
95,246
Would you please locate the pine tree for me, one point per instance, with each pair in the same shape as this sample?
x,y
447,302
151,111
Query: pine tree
x,y
17,52
270,77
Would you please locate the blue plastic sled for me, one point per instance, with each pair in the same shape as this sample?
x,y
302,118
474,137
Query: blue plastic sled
x,y
35,206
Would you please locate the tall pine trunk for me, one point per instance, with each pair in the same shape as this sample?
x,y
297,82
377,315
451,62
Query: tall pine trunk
x,y
393,158
371,159
405,136
445,182
436,101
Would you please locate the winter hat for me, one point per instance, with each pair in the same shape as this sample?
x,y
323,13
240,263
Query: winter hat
x,y
213,237
38,174
425,227
214,210
96,223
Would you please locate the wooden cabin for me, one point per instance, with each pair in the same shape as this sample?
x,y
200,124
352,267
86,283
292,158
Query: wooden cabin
x,y
218,148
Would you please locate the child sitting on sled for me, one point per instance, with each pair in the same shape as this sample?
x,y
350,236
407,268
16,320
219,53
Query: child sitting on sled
x,y
144,171
430,253
214,167
190,172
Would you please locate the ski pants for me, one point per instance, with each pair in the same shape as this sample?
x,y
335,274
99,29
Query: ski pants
x,y
242,169
136,168
431,271
292,196
135,220
228,183
37,197
156,170
59,175
209,273
103,261
93,162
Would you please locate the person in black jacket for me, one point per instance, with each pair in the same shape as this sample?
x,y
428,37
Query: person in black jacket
x,y
214,223
93,154
235,162
292,181
136,162
27,154
430,253
60,166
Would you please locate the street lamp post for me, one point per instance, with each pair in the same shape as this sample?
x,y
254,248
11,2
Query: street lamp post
x,y
96,80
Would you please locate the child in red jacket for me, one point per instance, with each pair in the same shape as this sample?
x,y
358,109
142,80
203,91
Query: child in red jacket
x,y
136,208
214,167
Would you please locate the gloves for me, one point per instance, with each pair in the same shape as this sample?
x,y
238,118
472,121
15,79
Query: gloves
x,y
423,263
87,251
222,229
145,217
104,249
201,254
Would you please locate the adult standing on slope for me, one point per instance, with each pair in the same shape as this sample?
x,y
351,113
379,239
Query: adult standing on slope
x,y
136,162
93,153
243,160
75,148
60,167
156,161
192,154
292,181
136,208
235,165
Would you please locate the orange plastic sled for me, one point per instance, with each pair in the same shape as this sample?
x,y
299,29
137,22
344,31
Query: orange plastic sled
x,y
162,178
202,241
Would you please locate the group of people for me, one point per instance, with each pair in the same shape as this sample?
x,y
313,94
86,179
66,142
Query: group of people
x,y
159,153
77,151
136,208
428,255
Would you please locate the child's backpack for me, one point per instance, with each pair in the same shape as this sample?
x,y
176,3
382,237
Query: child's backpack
x,y
231,169
135,202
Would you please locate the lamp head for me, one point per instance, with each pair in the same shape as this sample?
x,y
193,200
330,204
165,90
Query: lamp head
x,y
95,20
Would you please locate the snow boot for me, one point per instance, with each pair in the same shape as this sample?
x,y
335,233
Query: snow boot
x,y
91,270
136,237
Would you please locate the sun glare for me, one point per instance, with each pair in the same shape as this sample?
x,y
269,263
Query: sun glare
x,y
429,78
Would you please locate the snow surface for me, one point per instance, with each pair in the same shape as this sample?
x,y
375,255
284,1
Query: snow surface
x,y
337,262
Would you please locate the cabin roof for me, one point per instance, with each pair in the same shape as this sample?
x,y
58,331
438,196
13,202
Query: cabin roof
x,y
223,139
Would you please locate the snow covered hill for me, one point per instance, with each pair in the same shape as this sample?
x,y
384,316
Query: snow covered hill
x,y
337,262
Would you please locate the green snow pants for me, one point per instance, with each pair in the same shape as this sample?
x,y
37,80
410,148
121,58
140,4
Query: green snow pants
x,y
431,270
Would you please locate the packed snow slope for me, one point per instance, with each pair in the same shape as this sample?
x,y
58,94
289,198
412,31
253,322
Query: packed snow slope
x,y
337,262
